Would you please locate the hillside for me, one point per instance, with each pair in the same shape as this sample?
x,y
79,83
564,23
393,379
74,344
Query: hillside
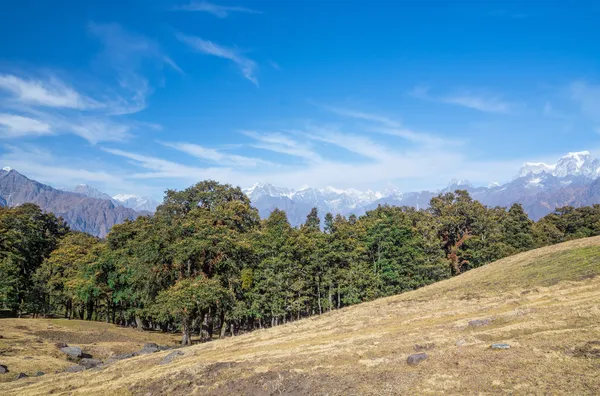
x,y
82,213
543,303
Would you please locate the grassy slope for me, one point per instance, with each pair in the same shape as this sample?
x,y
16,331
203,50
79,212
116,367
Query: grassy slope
x,y
544,303
29,345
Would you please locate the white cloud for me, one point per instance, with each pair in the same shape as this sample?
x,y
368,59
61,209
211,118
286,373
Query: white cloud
x,y
389,126
247,66
41,165
485,104
96,130
216,156
50,93
12,125
476,101
280,143
125,52
587,97
363,116
216,10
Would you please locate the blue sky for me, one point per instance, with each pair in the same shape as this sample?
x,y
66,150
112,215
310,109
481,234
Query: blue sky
x,y
139,96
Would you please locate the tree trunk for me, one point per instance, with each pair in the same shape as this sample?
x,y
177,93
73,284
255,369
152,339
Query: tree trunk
x,y
139,324
186,330
319,295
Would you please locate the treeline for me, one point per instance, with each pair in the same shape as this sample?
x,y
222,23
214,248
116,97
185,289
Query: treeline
x,y
206,264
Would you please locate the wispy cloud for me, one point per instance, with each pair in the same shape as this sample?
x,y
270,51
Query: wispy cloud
x,y
39,164
587,96
485,104
363,116
246,65
476,101
360,145
50,93
216,10
216,156
389,126
125,52
280,143
12,125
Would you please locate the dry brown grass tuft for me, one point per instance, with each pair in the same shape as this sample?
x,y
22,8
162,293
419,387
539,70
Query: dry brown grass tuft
x,y
544,303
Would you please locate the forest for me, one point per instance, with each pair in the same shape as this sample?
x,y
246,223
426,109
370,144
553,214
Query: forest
x,y
207,266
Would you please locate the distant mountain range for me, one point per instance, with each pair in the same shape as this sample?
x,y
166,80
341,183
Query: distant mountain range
x,y
539,187
89,213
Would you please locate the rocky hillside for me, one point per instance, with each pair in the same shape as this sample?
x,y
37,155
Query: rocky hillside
x,y
527,324
92,215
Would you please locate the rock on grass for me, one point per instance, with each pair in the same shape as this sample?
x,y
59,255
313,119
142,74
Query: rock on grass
x,y
72,352
170,357
417,358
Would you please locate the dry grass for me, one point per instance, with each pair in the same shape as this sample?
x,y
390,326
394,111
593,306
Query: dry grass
x,y
29,345
544,303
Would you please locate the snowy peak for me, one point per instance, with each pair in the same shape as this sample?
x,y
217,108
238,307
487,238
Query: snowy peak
x,y
577,164
259,190
573,164
535,168
135,202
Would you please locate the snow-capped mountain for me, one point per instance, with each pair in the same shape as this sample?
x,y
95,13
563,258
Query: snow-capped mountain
x,y
573,164
130,201
540,187
136,202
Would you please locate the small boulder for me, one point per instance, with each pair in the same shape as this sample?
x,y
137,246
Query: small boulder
x,y
150,345
460,343
170,357
39,373
21,376
72,352
480,322
89,363
74,369
417,358
500,346
3,369
147,351
61,345
164,348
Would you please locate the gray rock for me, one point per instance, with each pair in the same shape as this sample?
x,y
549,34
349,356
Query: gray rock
x,y
72,352
500,346
21,376
480,322
164,348
417,358
150,345
170,357
89,363
3,369
39,373
74,369
460,343
147,351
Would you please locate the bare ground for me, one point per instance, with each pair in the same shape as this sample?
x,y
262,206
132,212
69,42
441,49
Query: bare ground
x,y
545,304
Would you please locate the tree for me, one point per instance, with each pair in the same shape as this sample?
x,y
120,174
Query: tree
x,y
187,299
27,237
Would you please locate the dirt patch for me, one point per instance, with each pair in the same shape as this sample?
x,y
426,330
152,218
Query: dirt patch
x,y
590,350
